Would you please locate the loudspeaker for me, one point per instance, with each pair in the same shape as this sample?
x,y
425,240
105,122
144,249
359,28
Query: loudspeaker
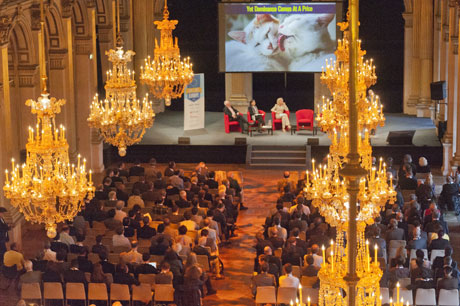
x,y
438,90
184,140
313,141
400,137
240,141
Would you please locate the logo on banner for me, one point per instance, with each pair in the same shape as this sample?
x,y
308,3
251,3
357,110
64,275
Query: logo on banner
x,y
193,90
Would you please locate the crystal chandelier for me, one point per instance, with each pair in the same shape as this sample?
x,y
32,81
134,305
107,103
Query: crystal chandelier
x,y
167,75
121,118
48,189
328,189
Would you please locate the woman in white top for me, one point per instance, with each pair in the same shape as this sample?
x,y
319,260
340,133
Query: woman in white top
x,y
279,110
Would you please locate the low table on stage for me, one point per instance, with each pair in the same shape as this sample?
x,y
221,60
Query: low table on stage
x,y
294,129
267,128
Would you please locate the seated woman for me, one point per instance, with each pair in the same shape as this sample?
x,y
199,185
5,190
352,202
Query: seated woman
x,y
279,110
255,116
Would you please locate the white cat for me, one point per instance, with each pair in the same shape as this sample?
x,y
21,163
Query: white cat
x,y
304,40
256,47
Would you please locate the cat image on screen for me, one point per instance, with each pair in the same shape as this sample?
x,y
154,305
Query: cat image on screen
x,y
255,48
305,41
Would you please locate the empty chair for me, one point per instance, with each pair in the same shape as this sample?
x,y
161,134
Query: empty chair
x,y
385,294
296,271
75,291
436,253
286,295
308,281
311,293
412,253
164,293
448,297
305,118
425,297
119,292
404,294
114,258
97,292
147,279
31,291
53,291
142,293
266,295
203,261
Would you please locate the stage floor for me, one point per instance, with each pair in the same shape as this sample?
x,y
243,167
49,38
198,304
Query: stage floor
x,y
168,126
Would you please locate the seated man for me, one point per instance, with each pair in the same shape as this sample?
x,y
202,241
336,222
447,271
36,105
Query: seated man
x,y
74,275
132,256
119,239
448,282
262,279
288,280
234,115
165,276
200,249
30,276
145,267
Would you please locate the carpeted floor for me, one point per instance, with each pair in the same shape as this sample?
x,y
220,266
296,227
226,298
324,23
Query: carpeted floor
x,y
168,126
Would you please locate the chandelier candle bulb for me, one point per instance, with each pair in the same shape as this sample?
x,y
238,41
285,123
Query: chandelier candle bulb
x,y
332,261
324,255
368,259
300,295
308,301
397,292
375,257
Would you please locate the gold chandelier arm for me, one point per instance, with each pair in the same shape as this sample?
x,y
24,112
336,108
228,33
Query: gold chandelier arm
x,y
165,11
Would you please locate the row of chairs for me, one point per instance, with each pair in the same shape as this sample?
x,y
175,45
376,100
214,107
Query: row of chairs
x,y
96,292
284,295
422,297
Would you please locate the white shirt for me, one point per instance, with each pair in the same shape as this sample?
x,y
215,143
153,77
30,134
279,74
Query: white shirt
x,y
49,255
317,260
66,238
120,215
289,281
120,240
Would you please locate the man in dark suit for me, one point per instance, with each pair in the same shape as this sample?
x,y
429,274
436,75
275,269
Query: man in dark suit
x,y
439,260
448,282
394,232
439,243
302,244
4,238
122,276
145,267
418,242
431,226
74,275
169,171
262,243
146,231
137,169
160,182
183,202
84,264
262,279
99,247
407,181
107,267
291,253
234,115
211,182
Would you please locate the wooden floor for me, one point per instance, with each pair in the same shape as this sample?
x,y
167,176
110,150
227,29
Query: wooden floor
x,y
260,196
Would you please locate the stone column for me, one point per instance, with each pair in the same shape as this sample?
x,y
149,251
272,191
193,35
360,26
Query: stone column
x,y
425,104
415,62
443,55
437,40
408,43
238,90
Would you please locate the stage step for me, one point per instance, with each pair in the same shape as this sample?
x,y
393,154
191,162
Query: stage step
x,y
278,156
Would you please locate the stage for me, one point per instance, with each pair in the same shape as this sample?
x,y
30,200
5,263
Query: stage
x,y
213,145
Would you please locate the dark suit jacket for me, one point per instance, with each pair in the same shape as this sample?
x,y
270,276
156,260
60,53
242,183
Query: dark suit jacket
x,y
107,267
169,172
84,264
4,228
438,244
417,244
405,183
291,255
263,279
310,270
212,184
146,232
159,184
448,283
431,226
229,113
98,248
164,278
124,278
394,234
145,269
51,277
183,203
74,276
136,171
277,242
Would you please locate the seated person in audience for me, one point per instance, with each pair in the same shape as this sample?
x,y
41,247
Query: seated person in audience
x,y
52,273
145,267
417,242
262,279
140,185
149,195
188,223
165,276
425,192
380,242
113,199
448,282
171,191
159,246
161,233
146,231
394,232
163,206
159,182
276,241
297,222
413,213
65,237
48,254
61,263
98,247
398,272
122,276
195,216
407,180
183,202
262,243
309,269
302,244
119,213
111,223
213,238
14,257
317,258
428,213
30,276
135,218
449,193
200,249
407,159
419,254
151,170
287,279
169,171
122,171
439,243
301,208
431,226
84,264
291,253
422,277
107,267
185,241
135,198
128,231
132,256
169,230
211,181
282,232
119,240
98,275
439,260
175,265
176,180
136,169
319,235
74,275
174,216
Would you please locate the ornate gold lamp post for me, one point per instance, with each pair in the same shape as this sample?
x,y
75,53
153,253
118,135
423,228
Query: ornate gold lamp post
x,y
48,189
121,118
167,74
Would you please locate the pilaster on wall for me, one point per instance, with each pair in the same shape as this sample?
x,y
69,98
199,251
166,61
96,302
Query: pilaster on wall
x,y
238,90
321,91
408,107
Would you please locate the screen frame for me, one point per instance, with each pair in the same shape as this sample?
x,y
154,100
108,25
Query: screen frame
x,y
221,30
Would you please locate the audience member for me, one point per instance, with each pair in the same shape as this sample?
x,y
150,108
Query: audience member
x,y
119,240
13,257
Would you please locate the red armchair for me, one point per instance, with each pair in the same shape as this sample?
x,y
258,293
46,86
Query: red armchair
x,y
231,125
305,118
278,121
251,122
